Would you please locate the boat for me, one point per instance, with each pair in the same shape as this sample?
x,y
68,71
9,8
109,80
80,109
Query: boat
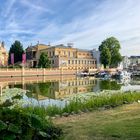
x,y
124,75
103,75
82,74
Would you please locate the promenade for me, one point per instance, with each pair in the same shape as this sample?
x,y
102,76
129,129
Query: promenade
x,y
25,72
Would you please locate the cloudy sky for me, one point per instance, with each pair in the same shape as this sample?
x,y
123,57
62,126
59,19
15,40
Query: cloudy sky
x,y
86,23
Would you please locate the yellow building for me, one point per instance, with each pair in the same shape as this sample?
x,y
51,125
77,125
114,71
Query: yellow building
x,y
33,54
64,56
3,55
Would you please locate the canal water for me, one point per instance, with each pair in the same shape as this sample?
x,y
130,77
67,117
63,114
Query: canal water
x,y
56,90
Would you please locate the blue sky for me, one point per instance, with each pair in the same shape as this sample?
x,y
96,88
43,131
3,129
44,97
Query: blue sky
x,y
86,23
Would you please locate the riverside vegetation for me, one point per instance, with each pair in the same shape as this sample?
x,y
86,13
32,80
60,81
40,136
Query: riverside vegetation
x,y
19,121
18,124
77,105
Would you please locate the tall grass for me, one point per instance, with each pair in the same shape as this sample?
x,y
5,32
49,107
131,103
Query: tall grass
x,y
80,104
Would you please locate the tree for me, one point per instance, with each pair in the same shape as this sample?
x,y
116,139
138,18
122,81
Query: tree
x,y
114,47
17,49
105,57
44,61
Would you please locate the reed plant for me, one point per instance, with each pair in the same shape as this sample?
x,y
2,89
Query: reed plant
x,y
79,104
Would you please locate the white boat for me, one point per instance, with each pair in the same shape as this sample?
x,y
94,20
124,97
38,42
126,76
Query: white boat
x,y
124,75
82,74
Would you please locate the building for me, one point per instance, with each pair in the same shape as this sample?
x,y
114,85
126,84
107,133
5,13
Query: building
x,y
134,60
33,54
63,56
125,62
3,55
96,55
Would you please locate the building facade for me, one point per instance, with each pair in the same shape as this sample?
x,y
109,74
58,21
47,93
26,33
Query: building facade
x,y
66,57
96,55
3,55
134,60
33,54
125,62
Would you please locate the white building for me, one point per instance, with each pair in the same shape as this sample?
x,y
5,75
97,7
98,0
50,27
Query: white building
x,y
125,62
134,60
96,55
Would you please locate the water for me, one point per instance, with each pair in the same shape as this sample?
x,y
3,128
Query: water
x,y
55,90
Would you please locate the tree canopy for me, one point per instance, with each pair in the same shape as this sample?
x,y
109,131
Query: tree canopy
x,y
110,54
105,57
17,49
44,61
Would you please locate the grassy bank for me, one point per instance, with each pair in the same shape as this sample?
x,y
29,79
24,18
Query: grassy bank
x,y
121,123
78,105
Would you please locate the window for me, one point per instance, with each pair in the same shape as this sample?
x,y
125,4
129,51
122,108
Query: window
x,y
34,54
75,61
72,61
79,61
68,61
53,53
68,53
52,61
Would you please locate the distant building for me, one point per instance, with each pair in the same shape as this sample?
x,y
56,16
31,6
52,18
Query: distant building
x,y
63,56
125,62
3,55
96,55
134,60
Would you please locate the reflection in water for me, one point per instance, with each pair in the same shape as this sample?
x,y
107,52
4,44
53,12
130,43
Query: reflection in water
x,y
50,90
109,85
59,89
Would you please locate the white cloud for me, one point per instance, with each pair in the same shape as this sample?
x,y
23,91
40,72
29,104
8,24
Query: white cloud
x,y
36,6
118,18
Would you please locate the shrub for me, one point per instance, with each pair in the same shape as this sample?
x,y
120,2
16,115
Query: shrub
x,y
16,124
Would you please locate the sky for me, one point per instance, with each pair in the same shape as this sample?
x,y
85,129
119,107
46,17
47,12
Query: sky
x,y
85,23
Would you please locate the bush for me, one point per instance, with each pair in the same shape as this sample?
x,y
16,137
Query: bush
x,y
19,125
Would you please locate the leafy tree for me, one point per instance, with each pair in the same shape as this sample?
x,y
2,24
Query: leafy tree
x,y
17,49
105,57
115,57
44,61
114,47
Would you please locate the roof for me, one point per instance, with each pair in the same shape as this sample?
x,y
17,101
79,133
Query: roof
x,y
35,46
84,50
134,56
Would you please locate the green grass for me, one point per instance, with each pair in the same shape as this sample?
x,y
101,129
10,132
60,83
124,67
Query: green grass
x,y
92,103
121,123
